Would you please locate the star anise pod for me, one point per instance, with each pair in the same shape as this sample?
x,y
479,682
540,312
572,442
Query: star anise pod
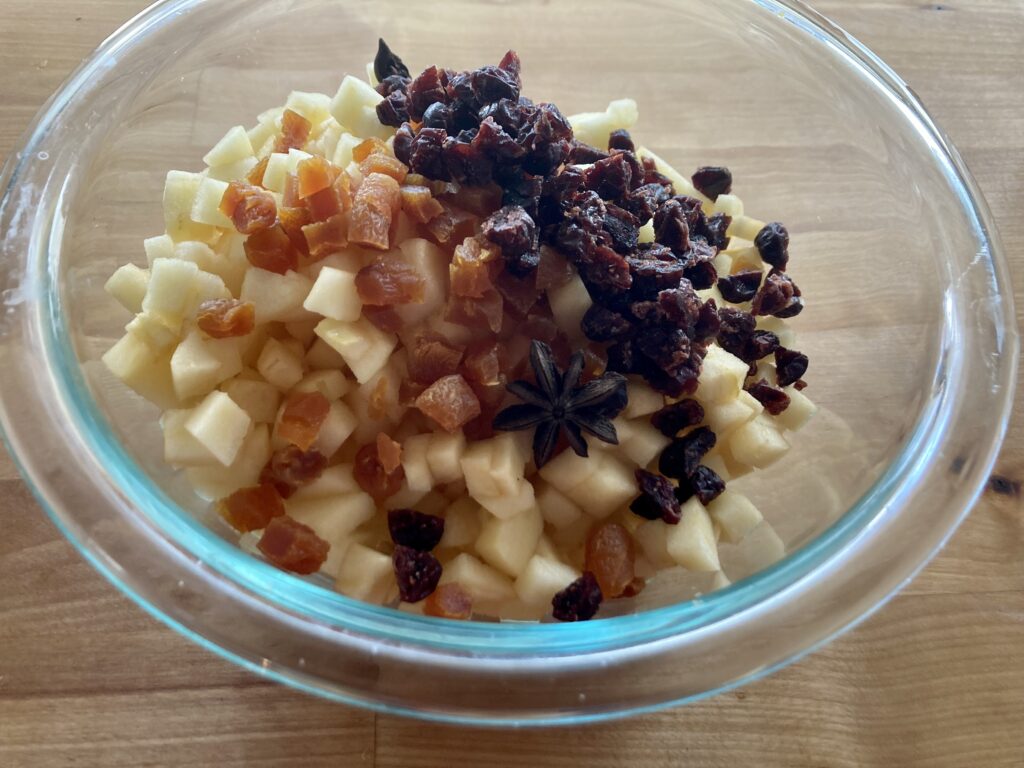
x,y
557,402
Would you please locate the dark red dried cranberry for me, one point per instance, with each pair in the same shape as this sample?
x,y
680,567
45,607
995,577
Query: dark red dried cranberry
x,y
675,417
416,530
716,229
492,140
778,296
790,366
684,492
657,500
651,276
512,230
510,63
671,227
701,275
644,201
602,325
622,357
668,348
417,573
424,90
386,63
437,115
684,454
773,244
708,324
465,163
620,139
705,484
774,400
604,272
761,344
741,287
653,176
579,601
681,307
404,139
613,176
800,385
393,83
394,109
712,181
736,329
582,153
427,154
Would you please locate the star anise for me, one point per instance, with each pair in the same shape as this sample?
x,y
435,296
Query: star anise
x,y
557,403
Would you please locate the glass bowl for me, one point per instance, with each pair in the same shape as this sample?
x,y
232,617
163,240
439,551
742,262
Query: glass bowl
x,y
909,326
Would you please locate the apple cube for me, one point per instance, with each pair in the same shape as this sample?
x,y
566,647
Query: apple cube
x,y
198,253
335,555
725,417
216,482
483,583
643,400
364,347
682,184
745,227
128,286
321,356
326,137
276,297
541,579
181,449
330,384
509,543
720,581
461,524
567,471
758,443
406,498
220,425
546,548
444,456
343,150
179,196
332,517
200,363
430,263
144,369
206,207
730,205
338,480
610,488
722,376
735,516
800,411
279,365
416,464
315,107
155,331
334,296
780,328
236,171
555,507
569,303
234,146
365,574
643,443
159,247
506,505
172,284
355,107
646,232
230,262
595,127
692,542
745,259
275,172
491,467
257,398
652,538
336,429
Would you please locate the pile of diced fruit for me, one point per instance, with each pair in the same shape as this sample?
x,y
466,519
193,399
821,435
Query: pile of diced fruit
x,y
460,353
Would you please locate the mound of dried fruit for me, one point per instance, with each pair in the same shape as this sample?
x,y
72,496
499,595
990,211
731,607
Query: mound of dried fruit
x,y
457,351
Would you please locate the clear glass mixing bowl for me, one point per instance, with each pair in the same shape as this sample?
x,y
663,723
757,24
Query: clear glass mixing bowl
x,y
909,327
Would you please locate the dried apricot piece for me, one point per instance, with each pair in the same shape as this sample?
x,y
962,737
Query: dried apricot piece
x,y
294,132
432,356
292,220
314,174
419,204
384,318
226,318
367,147
386,282
449,401
484,312
290,196
484,363
386,164
331,201
290,468
481,201
389,452
452,225
271,249
373,209
326,237
611,557
474,268
249,509
251,209
303,415
449,601
371,476
255,176
292,546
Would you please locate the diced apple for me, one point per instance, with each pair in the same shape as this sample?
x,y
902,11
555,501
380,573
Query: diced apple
x,y
546,548
567,471
646,232
234,146
220,425
332,517
315,107
208,286
722,376
461,524
744,259
722,263
720,581
730,205
303,331
735,515
172,285
365,574
569,303
338,480
276,297
555,507
355,107
336,429
364,347
335,555
330,384
691,543
430,263
334,296
766,371
682,184
378,401
236,171
652,537
159,247
594,128
724,417
206,207
444,456
153,329
128,286
643,400
181,449
483,583
610,488
506,505
200,363
325,138
745,227
644,443
231,263
493,467
321,356
508,543
343,151
259,399
416,464
266,130
217,482
144,369
279,365
179,195
198,253
780,328
800,411
541,579
758,443
406,498
275,172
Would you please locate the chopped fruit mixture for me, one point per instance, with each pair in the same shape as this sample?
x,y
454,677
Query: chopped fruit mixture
x,y
443,345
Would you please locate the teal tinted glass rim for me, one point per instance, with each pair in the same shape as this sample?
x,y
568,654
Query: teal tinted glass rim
x,y
310,600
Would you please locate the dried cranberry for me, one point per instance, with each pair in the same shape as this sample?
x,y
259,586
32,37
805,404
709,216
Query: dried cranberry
x,y
427,155
622,357
671,227
774,400
417,573
736,329
653,176
437,115
602,324
675,417
394,109
393,83
614,176
701,275
581,153
681,307
761,344
657,499
404,140
705,484
512,230
620,139
800,385
510,63
741,287
773,244
387,63
424,90
579,601
716,229
605,272
621,228
712,181
492,140
466,163
416,530
790,366
644,201
778,296
683,455
708,324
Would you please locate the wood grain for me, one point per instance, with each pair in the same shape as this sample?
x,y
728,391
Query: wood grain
x,y
933,679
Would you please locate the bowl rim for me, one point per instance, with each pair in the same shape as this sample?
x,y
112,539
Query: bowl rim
x,y
503,641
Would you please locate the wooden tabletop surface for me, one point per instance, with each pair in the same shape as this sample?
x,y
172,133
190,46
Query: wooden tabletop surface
x,y
936,678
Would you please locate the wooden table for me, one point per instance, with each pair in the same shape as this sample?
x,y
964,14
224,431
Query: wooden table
x,y
934,679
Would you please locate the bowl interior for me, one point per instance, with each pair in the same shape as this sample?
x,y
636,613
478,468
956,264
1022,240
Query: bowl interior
x,y
874,224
